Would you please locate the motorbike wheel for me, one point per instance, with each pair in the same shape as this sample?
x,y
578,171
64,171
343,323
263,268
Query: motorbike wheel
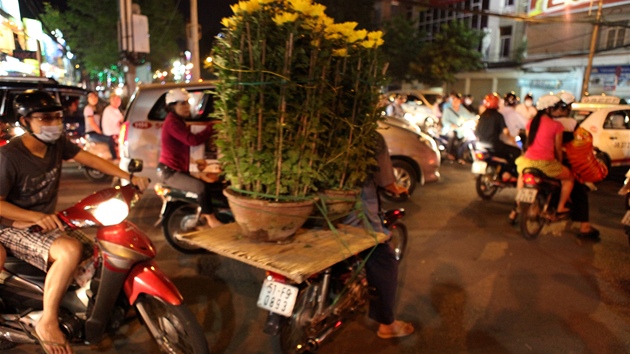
x,y
406,177
531,218
398,241
293,336
174,328
94,175
484,185
181,218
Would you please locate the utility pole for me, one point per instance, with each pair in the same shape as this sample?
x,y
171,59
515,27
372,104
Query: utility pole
x,y
591,54
194,38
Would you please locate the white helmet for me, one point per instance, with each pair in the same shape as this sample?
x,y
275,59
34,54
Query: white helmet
x,y
566,97
546,101
176,95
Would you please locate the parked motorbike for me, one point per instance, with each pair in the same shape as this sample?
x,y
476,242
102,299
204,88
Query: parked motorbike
x,y
302,316
490,171
537,202
180,214
625,191
125,276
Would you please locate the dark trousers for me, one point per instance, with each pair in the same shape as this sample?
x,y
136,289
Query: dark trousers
x,y
508,152
579,202
382,275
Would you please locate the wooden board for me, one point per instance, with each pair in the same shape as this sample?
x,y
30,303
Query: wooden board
x,y
309,252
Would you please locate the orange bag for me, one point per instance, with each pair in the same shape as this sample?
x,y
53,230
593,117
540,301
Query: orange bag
x,y
581,156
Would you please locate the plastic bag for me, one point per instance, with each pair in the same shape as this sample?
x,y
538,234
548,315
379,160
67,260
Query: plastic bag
x,y
581,156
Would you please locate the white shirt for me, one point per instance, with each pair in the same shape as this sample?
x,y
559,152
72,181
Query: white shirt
x,y
514,121
526,111
111,121
87,112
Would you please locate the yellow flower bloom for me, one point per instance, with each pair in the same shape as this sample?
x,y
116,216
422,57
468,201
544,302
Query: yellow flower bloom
x,y
356,36
235,8
284,17
228,22
263,2
343,52
302,6
249,6
317,10
375,36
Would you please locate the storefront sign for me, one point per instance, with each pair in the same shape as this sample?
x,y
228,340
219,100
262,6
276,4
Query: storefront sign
x,y
24,54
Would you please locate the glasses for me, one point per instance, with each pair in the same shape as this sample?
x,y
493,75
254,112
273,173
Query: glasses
x,y
48,117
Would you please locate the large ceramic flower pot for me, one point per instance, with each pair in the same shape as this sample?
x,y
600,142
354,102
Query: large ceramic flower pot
x,y
267,221
338,203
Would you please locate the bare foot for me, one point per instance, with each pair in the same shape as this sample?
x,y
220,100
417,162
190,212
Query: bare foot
x,y
52,339
211,220
395,329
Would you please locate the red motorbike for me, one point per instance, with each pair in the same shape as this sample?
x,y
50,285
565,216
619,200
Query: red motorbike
x,y
124,276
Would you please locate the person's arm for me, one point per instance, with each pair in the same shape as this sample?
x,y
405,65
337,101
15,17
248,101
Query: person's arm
x,y
88,159
23,218
92,123
180,131
558,146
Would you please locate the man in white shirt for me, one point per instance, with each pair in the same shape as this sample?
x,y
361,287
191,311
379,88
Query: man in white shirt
x,y
514,121
112,118
526,108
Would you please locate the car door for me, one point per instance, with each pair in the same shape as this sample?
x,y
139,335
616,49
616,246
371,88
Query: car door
x,y
614,138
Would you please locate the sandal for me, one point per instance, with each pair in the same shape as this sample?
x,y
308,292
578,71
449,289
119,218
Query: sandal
x,y
45,343
404,329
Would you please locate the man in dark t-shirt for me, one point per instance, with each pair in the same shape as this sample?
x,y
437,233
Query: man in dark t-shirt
x,y
490,127
30,170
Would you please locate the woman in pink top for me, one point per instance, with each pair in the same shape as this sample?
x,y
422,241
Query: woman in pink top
x,y
544,152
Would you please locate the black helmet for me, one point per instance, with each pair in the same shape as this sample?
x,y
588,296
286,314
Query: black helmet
x,y
510,99
34,101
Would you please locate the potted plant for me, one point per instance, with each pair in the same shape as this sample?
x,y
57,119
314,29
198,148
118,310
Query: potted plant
x,y
291,85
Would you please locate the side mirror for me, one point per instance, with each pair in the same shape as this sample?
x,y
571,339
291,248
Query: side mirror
x,y
135,165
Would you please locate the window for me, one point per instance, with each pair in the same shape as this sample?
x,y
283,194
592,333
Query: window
x,y
201,106
617,120
615,38
509,3
506,41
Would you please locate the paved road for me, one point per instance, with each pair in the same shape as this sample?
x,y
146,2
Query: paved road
x,y
469,283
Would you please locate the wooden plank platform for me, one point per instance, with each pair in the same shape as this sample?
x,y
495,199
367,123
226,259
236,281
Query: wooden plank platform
x,y
308,252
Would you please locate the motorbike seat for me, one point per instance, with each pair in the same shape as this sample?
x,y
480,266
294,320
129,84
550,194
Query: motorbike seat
x,y
25,270
539,174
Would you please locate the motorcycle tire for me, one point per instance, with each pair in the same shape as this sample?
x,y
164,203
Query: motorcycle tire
x,y
94,175
485,186
398,240
174,328
531,218
294,331
180,218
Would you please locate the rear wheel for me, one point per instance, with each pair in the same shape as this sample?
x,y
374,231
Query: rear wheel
x,y
603,158
294,331
398,241
405,176
532,220
174,328
485,184
178,219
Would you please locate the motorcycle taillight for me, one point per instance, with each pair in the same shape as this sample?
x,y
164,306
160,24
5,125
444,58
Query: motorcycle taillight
x,y
480,155
276,277
529,178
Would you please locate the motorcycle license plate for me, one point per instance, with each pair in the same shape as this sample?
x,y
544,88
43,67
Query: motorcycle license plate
x,y
526,195
626,218
479,167
277,297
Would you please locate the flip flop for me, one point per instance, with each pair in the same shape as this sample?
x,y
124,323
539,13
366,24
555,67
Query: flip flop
x,y
404,330
44,343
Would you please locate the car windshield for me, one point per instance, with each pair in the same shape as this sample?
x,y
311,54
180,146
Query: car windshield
x,y
432,97
580,115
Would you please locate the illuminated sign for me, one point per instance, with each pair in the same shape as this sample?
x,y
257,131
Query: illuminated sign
x,y
557,7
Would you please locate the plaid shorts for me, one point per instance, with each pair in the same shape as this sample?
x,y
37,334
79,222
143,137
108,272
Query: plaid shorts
x,y
34,247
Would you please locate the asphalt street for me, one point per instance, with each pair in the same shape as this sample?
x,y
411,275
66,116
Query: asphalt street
x,y
469,283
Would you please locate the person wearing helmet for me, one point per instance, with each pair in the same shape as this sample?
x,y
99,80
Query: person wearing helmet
x,y
526,108
514,121
490,132
544,152
173,167
30,170
453,116
579,193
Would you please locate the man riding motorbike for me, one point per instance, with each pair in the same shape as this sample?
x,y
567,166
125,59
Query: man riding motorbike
x,y
30,170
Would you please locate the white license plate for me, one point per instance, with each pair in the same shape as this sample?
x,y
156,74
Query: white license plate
x,y
526,195
479,167
626,218
277,297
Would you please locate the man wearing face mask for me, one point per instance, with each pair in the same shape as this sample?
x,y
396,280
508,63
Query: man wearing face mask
x,y
526,108
30,171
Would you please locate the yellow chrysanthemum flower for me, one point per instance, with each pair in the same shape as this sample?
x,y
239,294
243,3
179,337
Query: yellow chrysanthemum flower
x,y
263,2
228,22
285,17
302,6
235,8
356,36
343,52
375,36
317,10
249,6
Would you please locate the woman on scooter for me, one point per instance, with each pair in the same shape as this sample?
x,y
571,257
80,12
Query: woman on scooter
x,y
544,141
173,166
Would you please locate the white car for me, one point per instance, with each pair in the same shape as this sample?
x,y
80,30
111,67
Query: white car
x,y
610,126
419,105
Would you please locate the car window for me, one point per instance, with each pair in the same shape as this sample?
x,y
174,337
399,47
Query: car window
x,y
432,97
617,120
580,115
201,107
414,100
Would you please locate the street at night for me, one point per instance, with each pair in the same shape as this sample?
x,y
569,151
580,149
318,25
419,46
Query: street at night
x,y
469,283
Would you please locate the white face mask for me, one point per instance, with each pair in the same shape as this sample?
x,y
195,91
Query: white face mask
x,y
49,133
468,102
528,103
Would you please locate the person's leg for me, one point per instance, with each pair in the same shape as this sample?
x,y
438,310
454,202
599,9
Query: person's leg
x,y
64,257
111,143
566,179
3,256
580,211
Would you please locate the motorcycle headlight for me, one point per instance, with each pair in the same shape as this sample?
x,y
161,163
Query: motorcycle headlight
x,y
110,212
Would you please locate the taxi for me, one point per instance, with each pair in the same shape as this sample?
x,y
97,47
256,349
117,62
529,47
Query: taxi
x,y
609,122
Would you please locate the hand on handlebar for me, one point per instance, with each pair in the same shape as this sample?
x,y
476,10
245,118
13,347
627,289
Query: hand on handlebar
x,y
396,189
46,223
140,182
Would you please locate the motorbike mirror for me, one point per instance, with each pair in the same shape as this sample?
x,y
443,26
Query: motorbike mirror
x,y
135,165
